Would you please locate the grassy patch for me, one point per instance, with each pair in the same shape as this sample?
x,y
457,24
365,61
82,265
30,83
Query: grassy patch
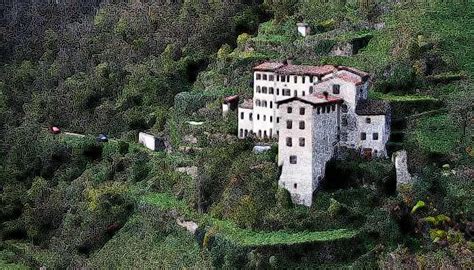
x,y
400,98
245,237
436,134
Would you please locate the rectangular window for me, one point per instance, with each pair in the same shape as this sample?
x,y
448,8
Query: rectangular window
x,y
303,93
271,119
264,77
270,90
271,104
302,142
344,120
278,119
336,89
241,132
278,78
258,116
289,142
375,136
251,116
302,111
278,91
271,78
241,115
293,159
311,89
295,185
304,78
301,124
289,110
311,79
368,120
363,136
264,90
289,124
295,79
259,76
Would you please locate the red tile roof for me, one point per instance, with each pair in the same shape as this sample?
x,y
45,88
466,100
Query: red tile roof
x,y
268,66
349,77
247,104
349,74
354,71
231,99
306,70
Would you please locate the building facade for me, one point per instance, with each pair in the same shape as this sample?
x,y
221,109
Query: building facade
x,y
313,110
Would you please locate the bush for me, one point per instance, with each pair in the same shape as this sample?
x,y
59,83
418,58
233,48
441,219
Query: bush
x,y
188,102
400,77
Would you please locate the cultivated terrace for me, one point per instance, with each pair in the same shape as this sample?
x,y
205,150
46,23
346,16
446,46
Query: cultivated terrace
x,y
71,70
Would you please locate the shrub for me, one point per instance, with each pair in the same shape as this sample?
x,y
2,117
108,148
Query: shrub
x,y
188,102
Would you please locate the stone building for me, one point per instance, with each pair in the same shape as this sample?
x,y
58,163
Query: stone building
x,y
313,111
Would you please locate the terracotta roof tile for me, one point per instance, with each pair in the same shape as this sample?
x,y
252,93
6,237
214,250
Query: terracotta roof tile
x,y
268,66
247,104
306,70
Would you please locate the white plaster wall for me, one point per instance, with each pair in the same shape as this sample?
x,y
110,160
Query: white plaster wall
x,y
261,119
263,123
377,124
147,140
225,109
246,123
303,30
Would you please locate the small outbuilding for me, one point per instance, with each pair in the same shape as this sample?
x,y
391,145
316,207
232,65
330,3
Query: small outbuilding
x,y
303,29
151,142
230,104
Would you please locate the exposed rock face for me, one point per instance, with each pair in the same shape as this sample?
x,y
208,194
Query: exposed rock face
x,y
190,226
190,139
399,158
342,49
191,171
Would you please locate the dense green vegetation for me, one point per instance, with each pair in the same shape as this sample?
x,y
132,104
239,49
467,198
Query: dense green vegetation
x,y
70,202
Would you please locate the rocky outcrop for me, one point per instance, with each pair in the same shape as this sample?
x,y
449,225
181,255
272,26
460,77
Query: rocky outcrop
x,y
191,171
399,158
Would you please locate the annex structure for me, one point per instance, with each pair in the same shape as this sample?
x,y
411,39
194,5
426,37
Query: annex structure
x,y
314,111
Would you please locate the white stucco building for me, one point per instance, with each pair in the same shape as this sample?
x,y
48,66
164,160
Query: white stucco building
x,y
313,111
